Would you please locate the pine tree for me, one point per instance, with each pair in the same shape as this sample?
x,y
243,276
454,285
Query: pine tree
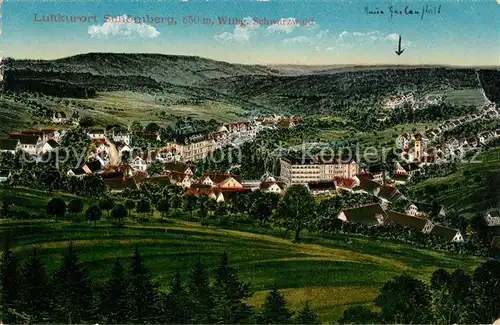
x,y
307,316
200,295
10,281
177,303
35,290
142,291
274,309
72,287
229,293
115,302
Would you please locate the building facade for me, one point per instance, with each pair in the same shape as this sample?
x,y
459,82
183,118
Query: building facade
x,y
306,170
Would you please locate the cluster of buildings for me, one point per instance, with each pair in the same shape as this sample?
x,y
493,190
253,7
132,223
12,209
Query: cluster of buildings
x,y
374,215
32,141
398,100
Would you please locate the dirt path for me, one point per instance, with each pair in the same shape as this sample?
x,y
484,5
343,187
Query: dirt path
x,y
114,158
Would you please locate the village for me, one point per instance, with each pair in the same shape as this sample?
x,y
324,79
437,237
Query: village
x,y
121,166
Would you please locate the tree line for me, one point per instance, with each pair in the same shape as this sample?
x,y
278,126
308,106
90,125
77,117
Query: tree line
x,y
130,295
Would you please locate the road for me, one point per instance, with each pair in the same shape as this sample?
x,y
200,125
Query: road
x,y
114,158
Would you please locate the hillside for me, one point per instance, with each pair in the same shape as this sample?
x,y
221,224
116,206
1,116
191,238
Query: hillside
x,y
129,69
330,273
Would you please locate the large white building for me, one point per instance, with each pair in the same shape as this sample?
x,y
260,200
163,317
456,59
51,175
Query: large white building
x,y
304,170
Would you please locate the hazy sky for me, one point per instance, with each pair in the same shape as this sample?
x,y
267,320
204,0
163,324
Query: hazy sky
x,y
297,32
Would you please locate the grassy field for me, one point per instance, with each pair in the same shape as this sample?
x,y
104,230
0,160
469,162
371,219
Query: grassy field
x,y
466,97
34,202
469,196
329,273
379,139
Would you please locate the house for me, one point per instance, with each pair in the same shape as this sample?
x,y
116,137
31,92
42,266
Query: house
x,y
101,146
178,167
388,194
403,140
5,175
370,215
195,146
285,123
96,133
321,187
451,235
376,171
272,187
368,186
221,180
485,136
224,195
345,183
400,178
120,184
49,133
139,164
28,143
10,145
360,176
180,179
425,210
49,146
59,117
405,220
122,147
121,136
169,154
493,218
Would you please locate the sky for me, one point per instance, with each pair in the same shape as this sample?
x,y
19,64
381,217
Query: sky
x,y
307,32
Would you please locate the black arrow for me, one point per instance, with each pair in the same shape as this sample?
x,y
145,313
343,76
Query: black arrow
x,y
399,51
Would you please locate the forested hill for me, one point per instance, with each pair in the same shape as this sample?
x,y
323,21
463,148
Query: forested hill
x,y
490,80
120,69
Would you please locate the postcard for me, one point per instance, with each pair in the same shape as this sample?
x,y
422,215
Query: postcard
x,y
249,162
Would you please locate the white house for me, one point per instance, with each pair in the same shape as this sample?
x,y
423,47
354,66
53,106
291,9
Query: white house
x,y
493,218
139,164
49,146
121,136
10,145
28,143
96,133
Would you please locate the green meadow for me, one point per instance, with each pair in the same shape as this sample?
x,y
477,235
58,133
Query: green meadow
x,y
330,273
472,188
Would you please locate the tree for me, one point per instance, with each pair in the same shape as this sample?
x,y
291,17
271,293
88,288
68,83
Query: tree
x,y
93,213
56,207
10,281
229,293
142,290
129,204
143,206
479,226
296,210
152,128
307,315
359,315
440,278
177,302
136,126
404,300
75,206
119,212
201,295
106,204
486,288
72,287
115,302
274,309
190,202
163,206
35,290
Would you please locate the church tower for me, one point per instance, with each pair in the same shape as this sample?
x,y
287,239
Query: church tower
x,y
419,150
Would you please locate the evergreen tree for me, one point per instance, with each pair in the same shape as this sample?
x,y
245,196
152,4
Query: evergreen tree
x,y
229,293
307,315
35,290
115,302
142,291
177,303
200,294
72,287
10,281
274,309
